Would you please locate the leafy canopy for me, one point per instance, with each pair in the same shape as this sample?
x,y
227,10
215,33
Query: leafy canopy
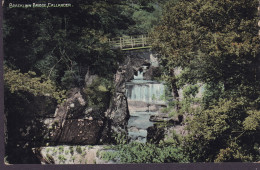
x,y
215,43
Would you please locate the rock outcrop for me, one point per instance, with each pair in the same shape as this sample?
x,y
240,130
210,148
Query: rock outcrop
x,y
165,127
118,111
74,122
64,154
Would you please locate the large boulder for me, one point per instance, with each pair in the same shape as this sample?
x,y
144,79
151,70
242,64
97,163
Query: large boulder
x,y
74,122
118,113
132,65
166,127
151,73
79,131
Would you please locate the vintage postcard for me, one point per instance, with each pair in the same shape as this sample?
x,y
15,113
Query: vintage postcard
x,y
133,81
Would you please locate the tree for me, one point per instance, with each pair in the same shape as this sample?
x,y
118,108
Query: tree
x,y
48,51
67,43
215,43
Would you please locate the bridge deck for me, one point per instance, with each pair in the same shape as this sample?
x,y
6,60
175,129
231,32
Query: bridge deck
x,y
131,42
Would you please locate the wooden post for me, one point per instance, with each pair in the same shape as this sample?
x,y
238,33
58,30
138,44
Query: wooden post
x,y
121,43
132,42
143,40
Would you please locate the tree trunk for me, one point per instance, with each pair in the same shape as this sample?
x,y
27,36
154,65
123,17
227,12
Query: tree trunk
x,y
258,57
175,92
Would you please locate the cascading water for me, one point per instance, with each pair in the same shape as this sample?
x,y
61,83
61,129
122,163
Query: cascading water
x,y
146,91
140,75
141,95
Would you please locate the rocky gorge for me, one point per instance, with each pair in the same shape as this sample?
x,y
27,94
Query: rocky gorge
x,y
132,113
82,86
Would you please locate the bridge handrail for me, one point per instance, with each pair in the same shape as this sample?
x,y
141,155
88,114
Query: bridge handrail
x,y
130,42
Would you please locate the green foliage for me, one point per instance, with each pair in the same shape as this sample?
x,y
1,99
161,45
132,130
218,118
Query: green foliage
x,y
62,158
189,104
67,152
120,138
173,140
190,91
145,153
73,158
109,155
252,121
48,150
212,92
83,153
61,149
211,43
145,16
153,97
54,152
71,150
222,126
65,44
29,82
214,43
99,92
79,150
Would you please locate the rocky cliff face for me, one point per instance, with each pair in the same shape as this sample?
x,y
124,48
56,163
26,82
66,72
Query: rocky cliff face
x,y
118,112
136,61
74,122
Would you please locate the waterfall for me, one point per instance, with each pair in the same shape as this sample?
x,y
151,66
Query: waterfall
x,y
142,95
146,91
140,76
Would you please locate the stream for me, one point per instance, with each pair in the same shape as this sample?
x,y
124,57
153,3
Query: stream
x,y
144,99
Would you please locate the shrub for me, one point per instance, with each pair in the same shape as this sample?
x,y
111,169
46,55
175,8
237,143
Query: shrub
x,y
78,149
144,153
62,158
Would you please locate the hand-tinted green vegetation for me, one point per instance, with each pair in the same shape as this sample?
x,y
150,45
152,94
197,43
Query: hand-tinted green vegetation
x,y
214,43
38,86
48,51
145,153
63,44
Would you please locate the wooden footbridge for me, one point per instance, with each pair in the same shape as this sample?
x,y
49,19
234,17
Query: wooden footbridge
x,y
131,42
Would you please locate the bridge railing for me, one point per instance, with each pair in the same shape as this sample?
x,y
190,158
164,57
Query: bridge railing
x,y
131,42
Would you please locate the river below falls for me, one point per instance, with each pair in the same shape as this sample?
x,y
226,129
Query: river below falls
x,y
144,98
